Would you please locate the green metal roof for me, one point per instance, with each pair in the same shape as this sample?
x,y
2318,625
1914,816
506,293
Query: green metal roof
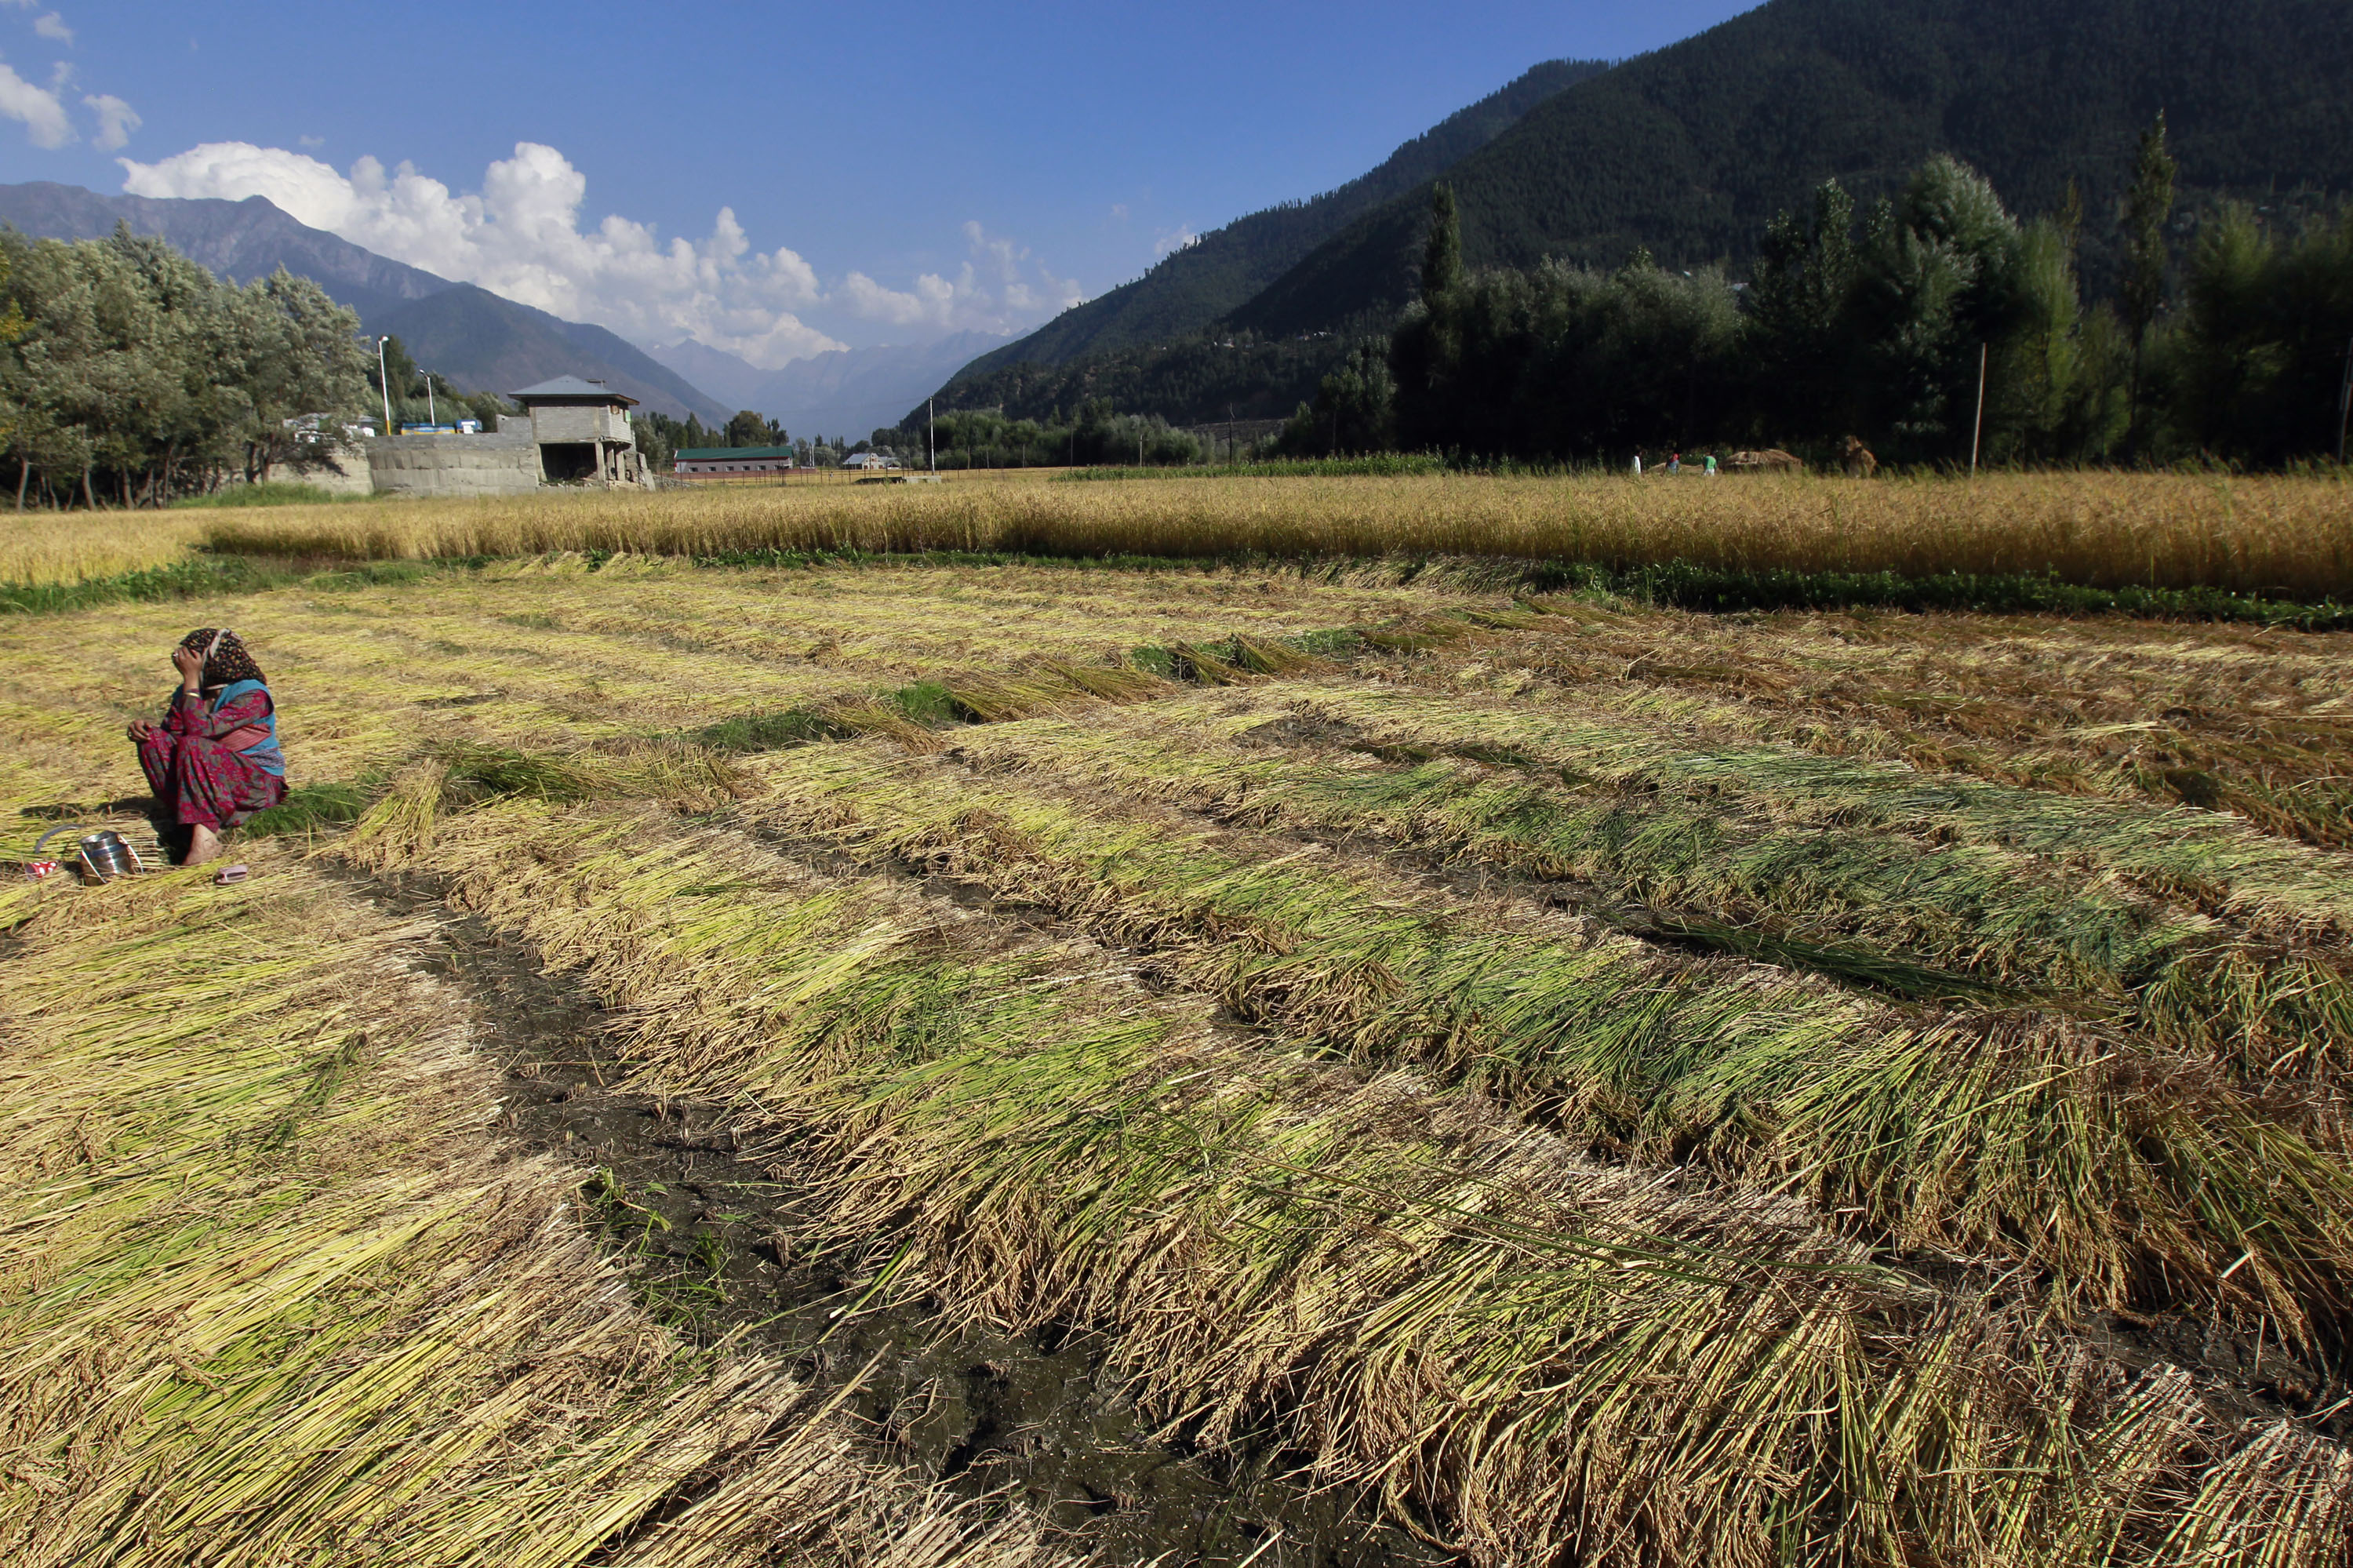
x,y
724,454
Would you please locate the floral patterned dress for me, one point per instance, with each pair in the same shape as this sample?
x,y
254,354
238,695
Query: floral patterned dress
x,y
199,781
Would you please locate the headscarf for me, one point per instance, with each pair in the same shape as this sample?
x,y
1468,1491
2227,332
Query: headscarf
x,y
229,664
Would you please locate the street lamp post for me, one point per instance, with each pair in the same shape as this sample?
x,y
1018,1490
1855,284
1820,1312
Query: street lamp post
x,y
432,412
384,383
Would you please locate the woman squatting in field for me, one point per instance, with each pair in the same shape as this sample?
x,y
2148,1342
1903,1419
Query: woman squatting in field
x,y
215,760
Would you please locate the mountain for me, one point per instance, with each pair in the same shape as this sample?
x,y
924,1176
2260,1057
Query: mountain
x,y
1221,270
240,240
1690,151
480,342
845,392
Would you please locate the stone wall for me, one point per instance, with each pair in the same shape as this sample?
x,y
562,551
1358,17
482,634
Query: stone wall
x,y
349,476
502,464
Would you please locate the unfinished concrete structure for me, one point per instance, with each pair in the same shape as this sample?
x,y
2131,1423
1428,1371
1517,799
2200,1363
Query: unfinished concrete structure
x,y
506,463
583,434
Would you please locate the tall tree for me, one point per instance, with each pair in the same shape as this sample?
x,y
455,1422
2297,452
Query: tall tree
x,y
1441,253
2148,206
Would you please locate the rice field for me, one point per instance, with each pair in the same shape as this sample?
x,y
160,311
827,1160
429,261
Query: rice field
x,y
1544,1079
2289,537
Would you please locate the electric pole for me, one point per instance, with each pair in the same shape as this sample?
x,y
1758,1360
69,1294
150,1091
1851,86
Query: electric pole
x,y
383,384
931,437
1977,432
2344,403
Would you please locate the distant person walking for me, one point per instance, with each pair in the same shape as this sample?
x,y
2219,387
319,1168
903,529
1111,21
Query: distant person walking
x,y
214,759
1674,462
1711,465
1637,462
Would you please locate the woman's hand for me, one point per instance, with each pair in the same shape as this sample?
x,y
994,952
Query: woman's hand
x,y
191,665
138,731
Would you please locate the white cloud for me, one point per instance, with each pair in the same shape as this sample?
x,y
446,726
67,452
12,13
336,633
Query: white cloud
x,y
1169,244
54,26
116,120
994,290
1119,211
37,108
520,237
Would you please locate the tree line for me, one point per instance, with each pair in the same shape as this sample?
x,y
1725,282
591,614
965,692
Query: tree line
x,y
1887,329
1091,435
129,375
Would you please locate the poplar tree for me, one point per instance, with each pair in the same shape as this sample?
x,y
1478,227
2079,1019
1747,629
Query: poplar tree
x,y
2147,206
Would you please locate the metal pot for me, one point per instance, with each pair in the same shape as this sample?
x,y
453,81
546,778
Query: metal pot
x,y
103,856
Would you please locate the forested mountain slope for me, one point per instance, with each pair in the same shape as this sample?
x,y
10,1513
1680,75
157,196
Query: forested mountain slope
x,y
1690,151
1199,284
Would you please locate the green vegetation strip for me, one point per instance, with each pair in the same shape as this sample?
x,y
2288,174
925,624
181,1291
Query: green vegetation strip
x,y
1534,1352
211,576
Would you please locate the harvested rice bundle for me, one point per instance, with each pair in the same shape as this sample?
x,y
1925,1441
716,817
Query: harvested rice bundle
x,y
2128,709
1828,895
2272,887
2128,1177
269,1294
1430,1299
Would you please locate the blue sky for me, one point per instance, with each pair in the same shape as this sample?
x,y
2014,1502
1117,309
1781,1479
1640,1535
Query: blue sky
x,y
892,175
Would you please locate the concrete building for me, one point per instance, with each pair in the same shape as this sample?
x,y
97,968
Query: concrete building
x,y
506,463
698,463
583,434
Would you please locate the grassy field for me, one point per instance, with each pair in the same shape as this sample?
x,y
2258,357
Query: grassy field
x,y
1580,1080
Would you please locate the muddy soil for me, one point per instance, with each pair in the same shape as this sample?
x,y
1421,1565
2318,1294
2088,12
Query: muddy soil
x,y
706,1237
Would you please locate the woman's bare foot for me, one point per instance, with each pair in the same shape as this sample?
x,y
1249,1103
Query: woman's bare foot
x,y
204,846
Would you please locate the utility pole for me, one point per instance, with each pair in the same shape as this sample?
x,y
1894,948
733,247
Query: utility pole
x,y
2344,403
1977,432
432,412
931,437
383,384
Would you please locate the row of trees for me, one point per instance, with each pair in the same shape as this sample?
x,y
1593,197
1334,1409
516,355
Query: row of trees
x,y
661,439
987,438
129,375
2236,350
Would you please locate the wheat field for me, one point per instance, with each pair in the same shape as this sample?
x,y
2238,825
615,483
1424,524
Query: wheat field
x,y
1578,1081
